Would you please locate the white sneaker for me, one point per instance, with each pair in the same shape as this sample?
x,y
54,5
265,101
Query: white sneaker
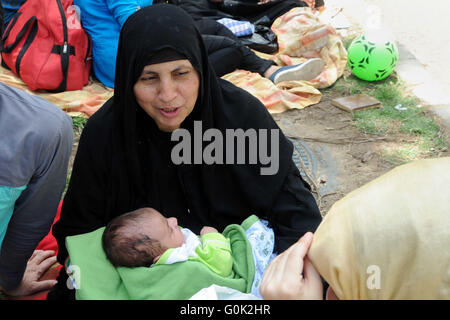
x,y
304,71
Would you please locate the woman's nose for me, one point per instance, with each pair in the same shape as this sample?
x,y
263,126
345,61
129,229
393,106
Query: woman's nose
x,y
167,90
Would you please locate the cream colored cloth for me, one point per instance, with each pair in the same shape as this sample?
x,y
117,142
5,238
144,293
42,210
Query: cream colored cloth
x,y
81,103
390,239
277,98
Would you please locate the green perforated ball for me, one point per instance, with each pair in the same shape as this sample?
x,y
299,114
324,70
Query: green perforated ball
x,y
372,58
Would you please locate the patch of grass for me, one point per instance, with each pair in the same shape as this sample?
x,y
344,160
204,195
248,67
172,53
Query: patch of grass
x,y
78,123
78,126
401,154
413,121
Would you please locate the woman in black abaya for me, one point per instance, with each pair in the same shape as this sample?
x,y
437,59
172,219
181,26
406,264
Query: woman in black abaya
x,y
163,82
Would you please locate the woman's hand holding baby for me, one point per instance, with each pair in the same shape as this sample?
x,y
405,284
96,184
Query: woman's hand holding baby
x,y
283,278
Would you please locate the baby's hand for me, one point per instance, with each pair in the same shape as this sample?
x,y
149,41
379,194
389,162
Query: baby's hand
x,y
206,230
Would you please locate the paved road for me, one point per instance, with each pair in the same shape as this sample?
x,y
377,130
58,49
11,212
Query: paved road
x,y
423,28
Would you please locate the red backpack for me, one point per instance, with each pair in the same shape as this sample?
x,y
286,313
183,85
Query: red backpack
x,y
45,45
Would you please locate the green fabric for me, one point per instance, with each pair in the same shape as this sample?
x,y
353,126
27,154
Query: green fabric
x,y
98,279
249,222
214,251
8,197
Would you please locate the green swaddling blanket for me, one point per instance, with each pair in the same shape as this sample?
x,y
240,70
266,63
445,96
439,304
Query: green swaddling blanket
x,y
97,279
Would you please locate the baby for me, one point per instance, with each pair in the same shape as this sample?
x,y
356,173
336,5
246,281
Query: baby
x,y
145,237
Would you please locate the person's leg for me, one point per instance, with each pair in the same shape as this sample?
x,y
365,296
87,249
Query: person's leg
x,y
253,63
223,46
224,54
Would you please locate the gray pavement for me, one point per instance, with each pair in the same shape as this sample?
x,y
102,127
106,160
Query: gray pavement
x,y
422,39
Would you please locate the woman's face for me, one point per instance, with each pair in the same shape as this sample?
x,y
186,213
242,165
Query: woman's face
x,y
168,91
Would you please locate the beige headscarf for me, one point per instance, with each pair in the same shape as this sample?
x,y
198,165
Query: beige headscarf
x,y
390,239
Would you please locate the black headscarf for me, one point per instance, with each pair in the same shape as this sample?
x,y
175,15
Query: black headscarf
x,y
219,105
123,160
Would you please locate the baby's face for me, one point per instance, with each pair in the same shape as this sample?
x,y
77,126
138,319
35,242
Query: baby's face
x,y
165,230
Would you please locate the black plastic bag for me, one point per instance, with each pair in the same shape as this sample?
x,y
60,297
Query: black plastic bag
x,y
262,40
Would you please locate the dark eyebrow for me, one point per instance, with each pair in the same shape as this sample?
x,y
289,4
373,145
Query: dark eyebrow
x,y
149,72
178,68
181,68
